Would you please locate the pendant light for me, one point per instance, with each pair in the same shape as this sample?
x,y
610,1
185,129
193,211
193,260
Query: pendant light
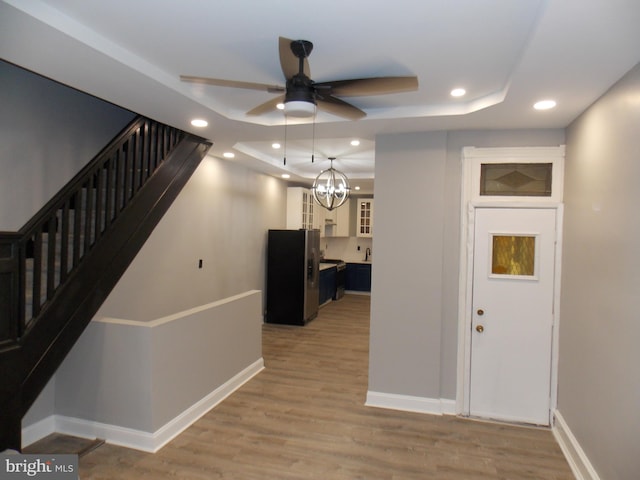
x,y
331,188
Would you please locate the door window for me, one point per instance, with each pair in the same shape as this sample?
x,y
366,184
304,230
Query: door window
x,y
513,255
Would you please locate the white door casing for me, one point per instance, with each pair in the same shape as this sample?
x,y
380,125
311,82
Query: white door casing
x,y
512,317
471,202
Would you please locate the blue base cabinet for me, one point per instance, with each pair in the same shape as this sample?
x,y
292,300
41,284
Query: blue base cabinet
x,y
358,278
327,285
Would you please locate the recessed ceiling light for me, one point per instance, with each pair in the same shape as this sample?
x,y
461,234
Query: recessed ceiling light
x,y
285,175
228,155
355,143
544,104
280,106
357,187
275,145
458,92
198,122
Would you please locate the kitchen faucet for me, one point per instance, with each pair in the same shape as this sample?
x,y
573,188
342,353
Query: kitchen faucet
x,y
367,254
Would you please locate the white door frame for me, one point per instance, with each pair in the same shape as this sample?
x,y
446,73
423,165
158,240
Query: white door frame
x,y
471,200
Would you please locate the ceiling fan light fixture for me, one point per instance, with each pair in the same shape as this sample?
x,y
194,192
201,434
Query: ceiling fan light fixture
x,y
299,108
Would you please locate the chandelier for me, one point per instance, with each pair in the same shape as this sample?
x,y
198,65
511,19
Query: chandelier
x,y
331,188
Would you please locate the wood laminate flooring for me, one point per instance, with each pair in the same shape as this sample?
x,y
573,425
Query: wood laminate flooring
x,y
304,417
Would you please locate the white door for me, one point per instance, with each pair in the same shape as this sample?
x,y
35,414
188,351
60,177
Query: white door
x,y
512,316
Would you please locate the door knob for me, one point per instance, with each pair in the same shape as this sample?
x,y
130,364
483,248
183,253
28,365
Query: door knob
x,y
480,312
479,329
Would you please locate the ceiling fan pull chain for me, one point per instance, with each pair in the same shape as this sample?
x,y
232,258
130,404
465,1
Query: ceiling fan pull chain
x,y
313,140
285,139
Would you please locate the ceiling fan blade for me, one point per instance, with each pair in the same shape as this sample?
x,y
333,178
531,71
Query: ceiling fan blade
x,y
339,107
233,83
368,86
288,61
266,107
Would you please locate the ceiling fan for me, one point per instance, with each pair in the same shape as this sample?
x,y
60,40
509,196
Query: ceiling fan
x,y
301,95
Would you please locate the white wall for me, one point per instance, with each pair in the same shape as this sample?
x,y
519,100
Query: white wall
x,y
599,368
48,132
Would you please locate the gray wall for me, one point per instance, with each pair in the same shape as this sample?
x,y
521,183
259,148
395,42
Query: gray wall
x,y
406,296
222,217
142,375
48,132
414,300
599,369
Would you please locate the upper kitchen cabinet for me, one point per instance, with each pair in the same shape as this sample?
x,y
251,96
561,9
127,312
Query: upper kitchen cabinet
x,y
364,227
301,209
337,221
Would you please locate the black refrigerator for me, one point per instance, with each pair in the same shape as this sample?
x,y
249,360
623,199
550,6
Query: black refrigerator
x,y
292,276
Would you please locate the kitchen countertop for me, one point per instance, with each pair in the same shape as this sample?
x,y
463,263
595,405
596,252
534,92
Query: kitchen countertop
x,y
326,266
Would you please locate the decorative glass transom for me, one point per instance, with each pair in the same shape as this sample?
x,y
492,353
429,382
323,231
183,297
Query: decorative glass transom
x,y
516,179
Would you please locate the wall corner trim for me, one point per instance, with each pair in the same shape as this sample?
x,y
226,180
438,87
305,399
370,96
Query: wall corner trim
x,y
137,439
577,459
409,403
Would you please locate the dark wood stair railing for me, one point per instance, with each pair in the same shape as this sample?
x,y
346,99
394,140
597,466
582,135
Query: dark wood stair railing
x,y
59,268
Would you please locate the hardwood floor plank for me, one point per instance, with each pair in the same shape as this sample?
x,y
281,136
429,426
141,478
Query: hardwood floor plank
x,y
304,417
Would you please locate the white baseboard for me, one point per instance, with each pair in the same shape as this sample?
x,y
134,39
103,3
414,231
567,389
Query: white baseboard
x,y
408,403
577,459
38,430
138,439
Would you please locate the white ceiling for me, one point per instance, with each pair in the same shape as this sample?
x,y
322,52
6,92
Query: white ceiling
x,y
507,54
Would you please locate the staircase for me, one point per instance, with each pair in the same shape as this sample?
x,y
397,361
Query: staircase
x,y
59,268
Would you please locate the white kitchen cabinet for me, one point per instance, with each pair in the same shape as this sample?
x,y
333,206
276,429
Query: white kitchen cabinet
x,y
301,209
364,227
336,221
343,219
318,215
